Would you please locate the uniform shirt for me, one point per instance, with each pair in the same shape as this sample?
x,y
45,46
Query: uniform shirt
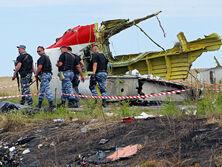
x,y
68,60
46,64
26,64
101,61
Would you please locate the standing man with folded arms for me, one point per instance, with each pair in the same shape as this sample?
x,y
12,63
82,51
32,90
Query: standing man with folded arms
x,y
25,67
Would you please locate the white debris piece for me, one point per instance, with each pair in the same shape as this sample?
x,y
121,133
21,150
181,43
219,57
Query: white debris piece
x,y
189,112
11,149
26,151
144,115
133,72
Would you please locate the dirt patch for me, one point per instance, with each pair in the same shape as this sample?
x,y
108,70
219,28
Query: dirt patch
x,y
181,142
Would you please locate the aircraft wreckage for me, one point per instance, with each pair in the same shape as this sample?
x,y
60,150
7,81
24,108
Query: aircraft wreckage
x,y
171,64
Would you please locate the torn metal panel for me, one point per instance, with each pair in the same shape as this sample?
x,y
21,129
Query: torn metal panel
x,y
149,87
122,85
172,64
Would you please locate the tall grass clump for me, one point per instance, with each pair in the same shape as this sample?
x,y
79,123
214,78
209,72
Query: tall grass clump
x,y
170,109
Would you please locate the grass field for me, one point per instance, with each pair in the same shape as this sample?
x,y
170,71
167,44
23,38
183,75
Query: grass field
x,y
7,81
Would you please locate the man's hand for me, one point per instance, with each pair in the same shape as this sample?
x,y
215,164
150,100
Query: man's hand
x,y
36,76
82,78
59,64
13,78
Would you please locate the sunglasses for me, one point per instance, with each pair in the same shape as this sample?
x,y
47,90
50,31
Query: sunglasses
x,y
38,51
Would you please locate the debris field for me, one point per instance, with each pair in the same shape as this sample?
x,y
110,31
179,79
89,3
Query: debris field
x,y
181,141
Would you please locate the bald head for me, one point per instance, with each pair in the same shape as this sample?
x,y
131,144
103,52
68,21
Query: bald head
x,y
64,50
95,49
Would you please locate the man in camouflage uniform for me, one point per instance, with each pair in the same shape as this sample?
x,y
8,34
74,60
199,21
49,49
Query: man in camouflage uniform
x,y
66,63
25,67
99,75
76,81
44,70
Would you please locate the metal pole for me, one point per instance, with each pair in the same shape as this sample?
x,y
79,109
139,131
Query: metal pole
x,y
55,96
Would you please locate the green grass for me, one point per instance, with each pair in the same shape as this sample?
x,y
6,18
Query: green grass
x,y
170,109
210,104
124,109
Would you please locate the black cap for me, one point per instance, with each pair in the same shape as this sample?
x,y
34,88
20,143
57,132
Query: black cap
x,y
69,48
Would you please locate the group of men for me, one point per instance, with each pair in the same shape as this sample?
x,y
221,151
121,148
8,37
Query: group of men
x,y
69,66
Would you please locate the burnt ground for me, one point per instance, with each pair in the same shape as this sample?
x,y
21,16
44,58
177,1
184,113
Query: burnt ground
x,y
179,142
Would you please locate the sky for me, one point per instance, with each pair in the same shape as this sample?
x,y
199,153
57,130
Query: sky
x,y
40,22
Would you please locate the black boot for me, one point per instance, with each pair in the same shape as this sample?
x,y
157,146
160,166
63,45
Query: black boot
x,y
39,105
51,105
72,104
104,103
62,104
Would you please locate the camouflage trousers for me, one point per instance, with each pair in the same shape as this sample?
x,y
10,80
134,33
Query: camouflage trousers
x,y
67,86
25,81
75,83
45,87
101,80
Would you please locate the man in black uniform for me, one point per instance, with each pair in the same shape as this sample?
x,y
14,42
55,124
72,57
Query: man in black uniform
x,y
44,70
66,63
25,67
76,81
99,75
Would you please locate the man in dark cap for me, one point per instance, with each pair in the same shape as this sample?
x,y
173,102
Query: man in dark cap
x,y
25,67
44,70
66,63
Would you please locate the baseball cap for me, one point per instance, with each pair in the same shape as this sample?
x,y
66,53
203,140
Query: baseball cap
x,y
21,46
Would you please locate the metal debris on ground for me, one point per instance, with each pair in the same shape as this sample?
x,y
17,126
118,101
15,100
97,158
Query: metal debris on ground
x,y
84,129
11,154
144,115
58,120
188,110
94,120
125,152
107,156
103,141
26,151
